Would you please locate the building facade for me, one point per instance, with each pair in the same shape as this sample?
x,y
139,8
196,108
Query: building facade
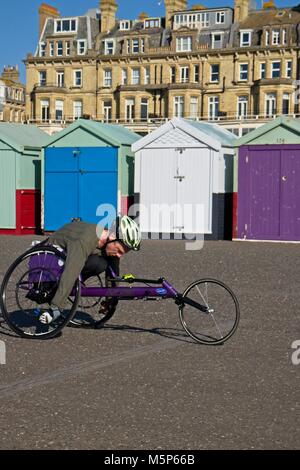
x,y
200,63
12,96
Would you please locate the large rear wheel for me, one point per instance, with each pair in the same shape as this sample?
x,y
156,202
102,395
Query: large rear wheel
x,y
27,290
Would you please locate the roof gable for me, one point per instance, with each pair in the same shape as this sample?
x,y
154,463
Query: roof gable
x,y
181,132
269,133
112,134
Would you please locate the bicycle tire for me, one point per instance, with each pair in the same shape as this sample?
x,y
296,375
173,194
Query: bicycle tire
x,y
222,319
29,316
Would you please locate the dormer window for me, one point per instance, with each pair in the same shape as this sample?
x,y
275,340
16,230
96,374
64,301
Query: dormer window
x,y
124,25
184,44
217,40
81,47
68,25
245,37
152,23
42,49
276,37
220,17
109,47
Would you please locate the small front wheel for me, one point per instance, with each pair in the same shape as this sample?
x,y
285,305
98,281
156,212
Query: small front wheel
x,y
217,317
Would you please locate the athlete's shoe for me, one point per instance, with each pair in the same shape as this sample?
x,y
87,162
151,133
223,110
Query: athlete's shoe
x,y
49,316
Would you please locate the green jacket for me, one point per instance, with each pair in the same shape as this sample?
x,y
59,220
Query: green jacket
x,y
82,232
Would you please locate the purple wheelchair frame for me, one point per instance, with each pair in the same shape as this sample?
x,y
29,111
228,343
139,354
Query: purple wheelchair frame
x,y
165,291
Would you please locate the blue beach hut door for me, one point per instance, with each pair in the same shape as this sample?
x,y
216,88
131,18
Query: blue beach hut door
x,y
77,182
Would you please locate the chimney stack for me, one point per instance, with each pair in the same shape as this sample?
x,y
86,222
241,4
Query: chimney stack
x,y
241,10
45,12
171,7
108,15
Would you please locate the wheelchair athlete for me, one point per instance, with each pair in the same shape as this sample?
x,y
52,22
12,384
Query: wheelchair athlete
x,y
89,255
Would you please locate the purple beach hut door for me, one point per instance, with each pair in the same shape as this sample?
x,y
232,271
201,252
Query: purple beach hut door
x,y
268,194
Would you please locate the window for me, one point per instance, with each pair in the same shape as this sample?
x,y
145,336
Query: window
x,y
59,110
242,106
204,19
285,103
144,109
213,107
275,71
43,78
124,25
183,44
60,78
108,77
216,40
192,20
109,47
129,109
124,77
289,65
270,104
51,49
276,37
194,107
135,46
66,26
243,72
178,106
68,48
107,110
267,38
173,74
142,45
42,49
284,41
78,109
184,74
59,48
262,70
196,74
245,39
214,73
81,47
45,110
135,80
152,23
78,78
147,75
220,17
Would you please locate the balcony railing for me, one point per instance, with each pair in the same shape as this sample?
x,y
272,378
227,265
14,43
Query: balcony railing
x,y
229,118
49,85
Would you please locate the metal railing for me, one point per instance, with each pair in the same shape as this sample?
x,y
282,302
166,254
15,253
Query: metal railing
x,y
161,120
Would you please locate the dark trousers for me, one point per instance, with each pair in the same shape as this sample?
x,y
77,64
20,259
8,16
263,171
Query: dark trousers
x,y
98,264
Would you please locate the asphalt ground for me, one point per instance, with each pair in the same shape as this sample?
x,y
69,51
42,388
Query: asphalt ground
x,y
141,383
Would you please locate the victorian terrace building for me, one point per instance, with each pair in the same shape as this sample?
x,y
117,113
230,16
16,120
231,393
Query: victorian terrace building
x,y
201,63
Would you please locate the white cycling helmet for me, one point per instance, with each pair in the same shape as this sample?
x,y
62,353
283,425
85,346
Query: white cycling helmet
x,y
129,233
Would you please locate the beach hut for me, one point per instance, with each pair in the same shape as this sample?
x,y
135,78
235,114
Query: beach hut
x,y
88,164
20,178
184,180
266,183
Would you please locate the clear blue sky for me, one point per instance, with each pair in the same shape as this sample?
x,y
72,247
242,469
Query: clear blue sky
x,y
19,21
